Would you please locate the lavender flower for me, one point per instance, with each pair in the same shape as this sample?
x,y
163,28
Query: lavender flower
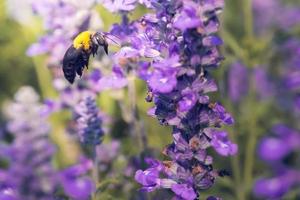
x,y
30,174
183,32
266,15
239,78
237,81
264,86
23,110
222,144
118,5
275,150
288,92
89,122
76,183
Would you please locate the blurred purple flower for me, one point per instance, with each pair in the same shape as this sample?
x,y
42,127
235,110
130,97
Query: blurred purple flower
x,y
107,153
89,122
25,114
118,5
237,81
271,188
115,80
276,187
264,86
266,15
272,149
30,174
275,150
75,181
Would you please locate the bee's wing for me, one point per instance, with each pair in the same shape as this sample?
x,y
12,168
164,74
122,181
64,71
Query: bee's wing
x,y
112,39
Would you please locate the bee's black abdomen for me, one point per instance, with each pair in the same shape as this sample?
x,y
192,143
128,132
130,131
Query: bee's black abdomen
x,y
74,62
69,64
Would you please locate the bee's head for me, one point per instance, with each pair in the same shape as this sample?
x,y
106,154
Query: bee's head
x,y
98,38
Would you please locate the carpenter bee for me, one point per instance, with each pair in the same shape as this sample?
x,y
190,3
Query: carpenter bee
x,y
77,56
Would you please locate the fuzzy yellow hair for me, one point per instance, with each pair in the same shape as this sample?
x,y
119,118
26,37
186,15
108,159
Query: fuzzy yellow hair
x,y
83,40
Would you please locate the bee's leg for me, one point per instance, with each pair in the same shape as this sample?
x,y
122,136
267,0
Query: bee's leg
x,y
105,46
79,70
94,49
102,42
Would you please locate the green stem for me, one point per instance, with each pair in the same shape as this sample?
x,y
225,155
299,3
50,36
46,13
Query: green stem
x,y
235,162
136,125
234,45
250,153
239,189
95,172
44,78
252,120
96,163
248,18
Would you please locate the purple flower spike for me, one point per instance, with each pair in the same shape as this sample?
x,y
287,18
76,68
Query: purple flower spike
x,y
264,86
172,50
27,162
89,122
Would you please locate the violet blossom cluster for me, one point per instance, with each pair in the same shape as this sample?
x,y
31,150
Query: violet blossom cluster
x,y
240,77
289,94
266,15
172,50
89,122
266,19
278,151
30,173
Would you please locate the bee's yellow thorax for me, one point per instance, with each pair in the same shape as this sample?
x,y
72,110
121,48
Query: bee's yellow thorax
x,y
83,40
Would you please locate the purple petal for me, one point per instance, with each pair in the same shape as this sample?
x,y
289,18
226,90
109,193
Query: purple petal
x,y
222,144
272,149
184,191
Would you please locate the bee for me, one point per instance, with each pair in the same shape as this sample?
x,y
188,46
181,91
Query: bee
x,y
78,54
